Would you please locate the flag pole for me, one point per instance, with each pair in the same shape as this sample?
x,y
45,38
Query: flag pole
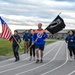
x,y
38,37
59,13
17,42
33,42
52,21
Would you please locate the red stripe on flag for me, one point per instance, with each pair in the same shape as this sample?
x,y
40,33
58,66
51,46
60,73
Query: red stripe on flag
x,y
6,32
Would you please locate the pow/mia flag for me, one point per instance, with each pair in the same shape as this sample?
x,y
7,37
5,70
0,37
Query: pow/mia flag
x,y
56,25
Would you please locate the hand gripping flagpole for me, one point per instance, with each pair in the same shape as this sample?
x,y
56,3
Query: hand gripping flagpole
x,y
17,42
39,36
34,42
10,31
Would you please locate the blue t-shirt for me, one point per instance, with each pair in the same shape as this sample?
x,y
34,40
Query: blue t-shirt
x,y
40,36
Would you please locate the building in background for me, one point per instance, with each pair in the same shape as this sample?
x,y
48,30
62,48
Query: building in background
x,y
60,35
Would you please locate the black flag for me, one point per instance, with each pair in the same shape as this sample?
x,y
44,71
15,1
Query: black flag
x,y
56,25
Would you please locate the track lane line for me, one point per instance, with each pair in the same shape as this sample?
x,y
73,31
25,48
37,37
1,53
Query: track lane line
x,y
58,66
21,55
23,59
71,72
41,65
26,64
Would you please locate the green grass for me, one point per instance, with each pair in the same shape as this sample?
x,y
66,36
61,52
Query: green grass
x,y
51,41
6,47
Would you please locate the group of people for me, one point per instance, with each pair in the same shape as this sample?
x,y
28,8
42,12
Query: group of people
x,y
27,38
70,40
33,42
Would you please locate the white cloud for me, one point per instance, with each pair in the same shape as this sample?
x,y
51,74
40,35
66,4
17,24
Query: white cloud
x,y
28,13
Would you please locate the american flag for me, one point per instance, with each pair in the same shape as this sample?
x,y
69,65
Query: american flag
x,y
6,32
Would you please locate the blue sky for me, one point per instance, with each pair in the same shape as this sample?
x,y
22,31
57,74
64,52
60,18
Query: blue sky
x,y
26,14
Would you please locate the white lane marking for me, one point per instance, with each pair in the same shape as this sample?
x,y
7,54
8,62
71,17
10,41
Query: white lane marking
x,y
71,72
12,63
41,65
9,59
21,55
58,66
25,58
26,64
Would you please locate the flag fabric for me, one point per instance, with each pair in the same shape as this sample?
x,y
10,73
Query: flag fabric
x,y
56,25
6,32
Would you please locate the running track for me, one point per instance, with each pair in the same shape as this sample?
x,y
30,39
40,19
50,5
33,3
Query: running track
x,y
56,62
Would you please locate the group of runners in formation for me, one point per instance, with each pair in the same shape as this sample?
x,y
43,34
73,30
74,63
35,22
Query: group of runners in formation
x,y
34,41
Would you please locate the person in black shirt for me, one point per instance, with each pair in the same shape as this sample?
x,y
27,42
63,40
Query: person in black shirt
x,y
15,44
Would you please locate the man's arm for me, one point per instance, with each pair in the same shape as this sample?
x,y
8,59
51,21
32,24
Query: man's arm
x,y
66,39
11,38
74,39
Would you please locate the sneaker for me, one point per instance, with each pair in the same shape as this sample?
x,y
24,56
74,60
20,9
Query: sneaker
x,y
70,59
18,58
33,58
37,60
41,61
30,59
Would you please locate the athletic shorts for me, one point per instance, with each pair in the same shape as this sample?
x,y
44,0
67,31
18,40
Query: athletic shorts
x,y
39,46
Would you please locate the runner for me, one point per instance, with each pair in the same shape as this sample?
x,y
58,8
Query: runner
x,y
39,36
70,40
26,41
32,49
15,44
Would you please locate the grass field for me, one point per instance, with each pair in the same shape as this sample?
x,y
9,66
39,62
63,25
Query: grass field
x,y
6,47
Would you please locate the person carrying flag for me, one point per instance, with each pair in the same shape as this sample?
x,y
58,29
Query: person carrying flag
x,y
39,37
15,39
15,44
